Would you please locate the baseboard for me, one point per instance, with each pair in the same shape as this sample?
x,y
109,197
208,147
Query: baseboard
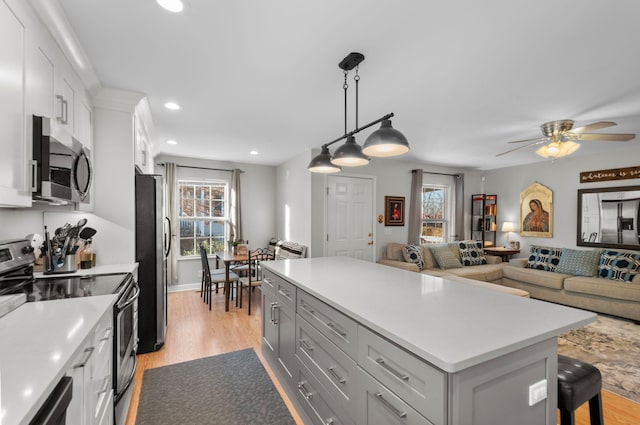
x,y
184,287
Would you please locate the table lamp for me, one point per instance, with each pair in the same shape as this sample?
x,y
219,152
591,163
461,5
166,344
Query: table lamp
x,y
508,227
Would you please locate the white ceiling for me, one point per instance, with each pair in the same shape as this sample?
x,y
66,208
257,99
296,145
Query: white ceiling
x,y
463,78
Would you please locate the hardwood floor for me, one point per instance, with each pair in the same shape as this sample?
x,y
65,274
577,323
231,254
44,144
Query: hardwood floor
x,y
195,332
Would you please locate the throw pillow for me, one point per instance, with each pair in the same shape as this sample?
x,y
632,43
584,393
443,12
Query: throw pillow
x,y
579,262
544,258
445,258
619,265
471,253
413,254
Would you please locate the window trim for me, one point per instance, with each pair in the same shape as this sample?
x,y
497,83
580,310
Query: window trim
x,y
224,220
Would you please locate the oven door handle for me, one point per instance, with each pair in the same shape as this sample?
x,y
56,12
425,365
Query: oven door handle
x,y
129,379
126,303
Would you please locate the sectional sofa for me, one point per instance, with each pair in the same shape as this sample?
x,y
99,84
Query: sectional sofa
x,y
604,281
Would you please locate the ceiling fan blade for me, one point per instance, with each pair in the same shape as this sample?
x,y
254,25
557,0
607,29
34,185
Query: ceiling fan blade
x,y
537,142
529,140
593,126
620,137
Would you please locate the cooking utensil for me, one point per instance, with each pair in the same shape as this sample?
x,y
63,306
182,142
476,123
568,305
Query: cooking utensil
x,y
87,233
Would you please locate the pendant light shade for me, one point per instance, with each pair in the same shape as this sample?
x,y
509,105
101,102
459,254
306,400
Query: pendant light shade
x,y
350,154
322,163
385,141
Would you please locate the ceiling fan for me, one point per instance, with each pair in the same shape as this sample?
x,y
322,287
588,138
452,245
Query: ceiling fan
x,y
562,138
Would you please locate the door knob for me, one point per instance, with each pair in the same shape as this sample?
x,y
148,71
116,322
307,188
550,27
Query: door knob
x,y
370,234
370,243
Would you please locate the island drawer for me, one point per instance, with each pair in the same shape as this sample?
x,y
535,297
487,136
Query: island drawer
x,y
340,329
331,366
285,291
316,401
379,406
413,380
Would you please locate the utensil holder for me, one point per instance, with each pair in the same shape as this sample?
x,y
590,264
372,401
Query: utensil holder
x,y
53,265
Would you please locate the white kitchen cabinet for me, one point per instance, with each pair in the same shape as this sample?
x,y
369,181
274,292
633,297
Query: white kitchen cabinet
x,y
92,401
14,184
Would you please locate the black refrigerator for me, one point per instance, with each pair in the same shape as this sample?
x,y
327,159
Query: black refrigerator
x,y
152,249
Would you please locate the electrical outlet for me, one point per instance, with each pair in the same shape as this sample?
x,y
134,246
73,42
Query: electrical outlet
x,y
537,392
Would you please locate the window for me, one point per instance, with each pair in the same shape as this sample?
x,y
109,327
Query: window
x,y
202,214
435,210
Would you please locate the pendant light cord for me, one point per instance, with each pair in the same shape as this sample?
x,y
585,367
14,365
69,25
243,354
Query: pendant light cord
x,y
345,87
357,80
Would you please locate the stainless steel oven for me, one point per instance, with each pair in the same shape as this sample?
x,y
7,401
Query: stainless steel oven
x,y
125,343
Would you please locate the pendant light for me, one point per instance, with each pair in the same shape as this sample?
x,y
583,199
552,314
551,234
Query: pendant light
x,y
384,142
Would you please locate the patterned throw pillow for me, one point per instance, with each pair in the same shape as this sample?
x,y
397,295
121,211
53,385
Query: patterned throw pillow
x,y
579,262
544,258
471,253
619,265
412,254
445,258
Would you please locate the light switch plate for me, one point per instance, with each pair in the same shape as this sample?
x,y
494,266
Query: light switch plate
x,y
537,392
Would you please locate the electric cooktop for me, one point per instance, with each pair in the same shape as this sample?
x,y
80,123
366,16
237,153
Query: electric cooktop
x,y
55,288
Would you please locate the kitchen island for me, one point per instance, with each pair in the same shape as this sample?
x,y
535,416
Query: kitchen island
x,y
382,345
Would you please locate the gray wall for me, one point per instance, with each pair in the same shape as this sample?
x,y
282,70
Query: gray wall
x,y
258,197
562,177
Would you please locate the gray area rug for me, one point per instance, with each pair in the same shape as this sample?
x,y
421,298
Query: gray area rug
x,y
231,388
611,345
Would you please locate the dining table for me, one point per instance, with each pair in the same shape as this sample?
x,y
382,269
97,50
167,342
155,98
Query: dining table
x,y
228,258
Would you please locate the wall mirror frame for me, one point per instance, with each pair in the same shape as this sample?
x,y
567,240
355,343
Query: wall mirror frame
x,y
609,217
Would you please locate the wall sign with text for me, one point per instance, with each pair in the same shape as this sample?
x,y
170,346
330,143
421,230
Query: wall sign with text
x,y
612,174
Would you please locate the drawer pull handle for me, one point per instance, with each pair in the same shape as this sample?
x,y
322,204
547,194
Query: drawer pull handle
x,y
107,335
391,370
267,281
284,293
304,344
303,390
306,308
274,307
84,361
328,421
399,413
340,379
337,330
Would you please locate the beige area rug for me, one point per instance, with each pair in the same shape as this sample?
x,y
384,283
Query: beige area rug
x,y
611,345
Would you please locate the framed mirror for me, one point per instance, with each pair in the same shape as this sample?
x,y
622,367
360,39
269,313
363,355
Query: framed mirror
x,y
609,217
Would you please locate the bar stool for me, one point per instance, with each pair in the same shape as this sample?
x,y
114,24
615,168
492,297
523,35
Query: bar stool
x,y
578,382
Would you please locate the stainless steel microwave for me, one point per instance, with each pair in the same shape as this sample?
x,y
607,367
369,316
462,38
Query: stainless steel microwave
x,y
62,171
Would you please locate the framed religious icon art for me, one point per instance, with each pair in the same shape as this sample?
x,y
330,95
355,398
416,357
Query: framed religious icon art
x,y
536,211
394,210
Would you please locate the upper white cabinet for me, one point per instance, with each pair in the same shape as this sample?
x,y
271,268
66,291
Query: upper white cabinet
x,y
36,79
14,183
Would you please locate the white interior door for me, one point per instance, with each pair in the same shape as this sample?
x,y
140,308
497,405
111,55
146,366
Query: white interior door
x,y
350,217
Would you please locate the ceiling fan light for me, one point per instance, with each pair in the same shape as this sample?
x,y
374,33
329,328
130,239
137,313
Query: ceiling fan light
x,y
350,154
322,163
557,149
385,142
567,148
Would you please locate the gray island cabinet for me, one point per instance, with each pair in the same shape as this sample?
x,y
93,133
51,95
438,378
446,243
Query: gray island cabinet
x,y
358,343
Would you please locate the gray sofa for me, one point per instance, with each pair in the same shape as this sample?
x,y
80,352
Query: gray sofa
x,y
592,293
607,296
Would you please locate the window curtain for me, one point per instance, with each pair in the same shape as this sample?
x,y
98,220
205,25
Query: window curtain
x,y
415,207
235,225
459,208
172,213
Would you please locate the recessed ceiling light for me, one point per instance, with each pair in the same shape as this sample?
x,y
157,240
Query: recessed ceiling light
x,y
171,5
172,142
172,105
254,152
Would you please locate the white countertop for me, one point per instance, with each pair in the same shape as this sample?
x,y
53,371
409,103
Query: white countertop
x,y
450,324
105,269
37,344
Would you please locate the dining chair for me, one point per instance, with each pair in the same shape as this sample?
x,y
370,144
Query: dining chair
x,y
210,277
254,273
